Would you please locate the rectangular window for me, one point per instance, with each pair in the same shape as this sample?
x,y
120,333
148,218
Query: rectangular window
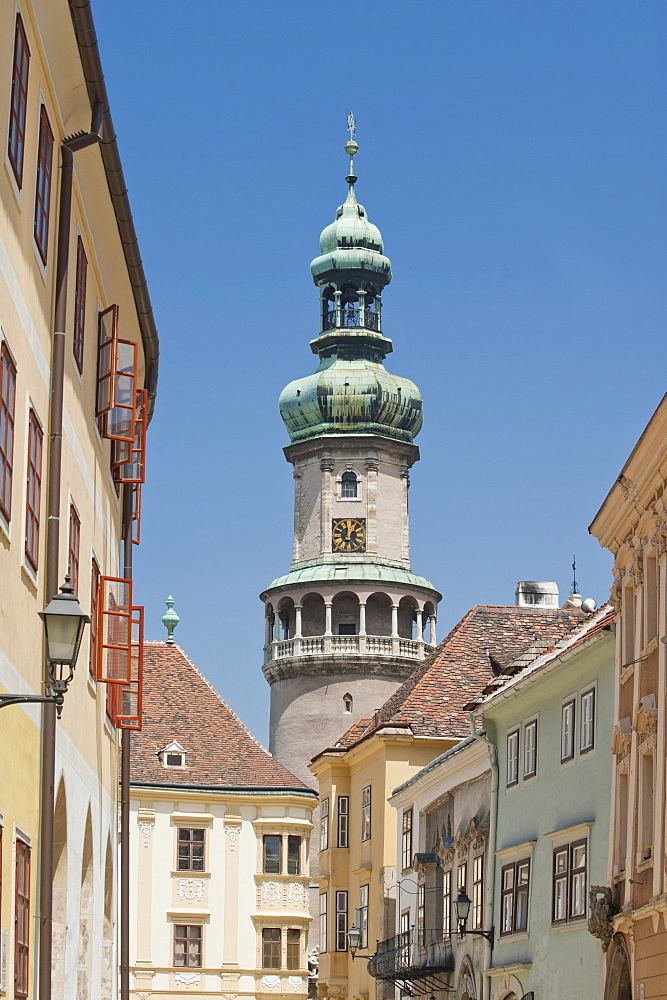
x,y
477,891
530,749
187,946
569,882
80,303
191,845
43,184
294,855
7,407
421,915
22,920
324,825
73,548
343,820
272,845
271,947
567,731
404,954
462,877
94,616
366,813
34,490
363,915
587,721
341,920
446,903
323,921
293,949
19,101
512,758
406,847
514,890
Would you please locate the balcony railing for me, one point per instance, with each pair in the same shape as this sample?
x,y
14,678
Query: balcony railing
x,y
351,318
409,958
343,645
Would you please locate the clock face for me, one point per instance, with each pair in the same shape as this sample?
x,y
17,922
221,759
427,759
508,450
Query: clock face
x,y
348,534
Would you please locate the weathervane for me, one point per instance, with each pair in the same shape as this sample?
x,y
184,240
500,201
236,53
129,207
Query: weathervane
x,y
574,575
351,126
351,147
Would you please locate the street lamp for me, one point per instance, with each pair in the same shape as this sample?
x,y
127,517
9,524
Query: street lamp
x,y
462,905
64,622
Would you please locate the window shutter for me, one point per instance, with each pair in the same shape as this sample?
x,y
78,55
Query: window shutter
x,y
114,649
119,420
128,706
107,353
130,459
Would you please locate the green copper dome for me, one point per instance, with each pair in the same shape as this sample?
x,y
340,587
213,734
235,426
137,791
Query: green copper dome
x,y
351,392
356,395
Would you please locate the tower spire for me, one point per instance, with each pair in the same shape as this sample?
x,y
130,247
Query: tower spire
x,y
351,148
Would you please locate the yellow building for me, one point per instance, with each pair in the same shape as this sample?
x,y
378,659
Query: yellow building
x,y
67,257
632,524
220,848
359,857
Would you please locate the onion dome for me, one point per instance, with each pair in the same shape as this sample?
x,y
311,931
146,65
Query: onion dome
x,y
351,392
357,396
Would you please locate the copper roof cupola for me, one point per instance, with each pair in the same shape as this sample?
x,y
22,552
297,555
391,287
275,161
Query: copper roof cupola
x,y
351,391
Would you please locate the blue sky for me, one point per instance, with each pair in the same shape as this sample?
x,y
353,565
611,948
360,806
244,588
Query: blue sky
x,y
513,154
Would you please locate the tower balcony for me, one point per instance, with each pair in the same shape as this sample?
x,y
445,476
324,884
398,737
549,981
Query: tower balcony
x,y
346,645
351,319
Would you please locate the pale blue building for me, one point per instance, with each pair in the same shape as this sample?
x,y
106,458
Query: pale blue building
x,y
548,718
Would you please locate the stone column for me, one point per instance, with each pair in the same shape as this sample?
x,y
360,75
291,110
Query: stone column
x,y
405,534
267,630
420,625
339,317
362,626
362,307
327,626
432,639
394,629
297,620
327,467
371,505
378,310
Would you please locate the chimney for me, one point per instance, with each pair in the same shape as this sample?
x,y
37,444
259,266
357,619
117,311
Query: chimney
x,y
536,593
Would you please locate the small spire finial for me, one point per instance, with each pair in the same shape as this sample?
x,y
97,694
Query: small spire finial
x,y
351,147
574,575
170,620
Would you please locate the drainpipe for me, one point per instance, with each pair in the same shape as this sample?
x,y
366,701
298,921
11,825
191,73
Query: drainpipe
x,y
493,822
47,804
125,786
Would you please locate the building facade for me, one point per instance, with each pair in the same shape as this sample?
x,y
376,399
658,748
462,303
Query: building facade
x,y
424,718
350,620
632,524
220,842
442,837
71,281
550,719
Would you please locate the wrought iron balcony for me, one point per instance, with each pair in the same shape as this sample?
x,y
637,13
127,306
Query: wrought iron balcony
x,y
352,318
416,963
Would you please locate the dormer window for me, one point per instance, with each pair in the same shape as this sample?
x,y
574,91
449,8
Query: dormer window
x,y
173,755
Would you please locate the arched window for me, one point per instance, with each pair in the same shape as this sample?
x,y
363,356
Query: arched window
x,y
347,702
348,485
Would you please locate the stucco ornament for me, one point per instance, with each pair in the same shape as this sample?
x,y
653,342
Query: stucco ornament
x,y
146,830
270,982
271,892
190,888
295,893
232,832
629,489
187,978
601,920
296,982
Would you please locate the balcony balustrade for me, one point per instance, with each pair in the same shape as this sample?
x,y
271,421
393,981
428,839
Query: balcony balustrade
x,y
416,963
344,645
352,318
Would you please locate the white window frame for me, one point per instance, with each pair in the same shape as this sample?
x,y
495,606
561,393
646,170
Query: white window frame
x,y
343,821
591,691
366,800
567,735
512,768
531,725
324,824
323,922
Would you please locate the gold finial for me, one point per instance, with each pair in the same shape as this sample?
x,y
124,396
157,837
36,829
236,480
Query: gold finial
x,y
351,146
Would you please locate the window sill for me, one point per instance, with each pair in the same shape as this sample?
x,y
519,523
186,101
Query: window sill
x,y
189,874
644,866
627,673
29,573
5,527
569,925
511,938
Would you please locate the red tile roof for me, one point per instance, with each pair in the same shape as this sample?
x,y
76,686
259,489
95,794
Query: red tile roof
x,y
180,704
431,701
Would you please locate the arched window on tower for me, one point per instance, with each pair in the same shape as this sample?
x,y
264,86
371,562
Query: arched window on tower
x,y
349,485
350,306
371,310
328,309
347,702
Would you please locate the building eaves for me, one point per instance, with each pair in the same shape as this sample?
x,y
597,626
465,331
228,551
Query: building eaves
x,y
86,37
463,745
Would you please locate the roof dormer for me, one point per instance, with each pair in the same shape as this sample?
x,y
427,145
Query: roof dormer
x,y
173,755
